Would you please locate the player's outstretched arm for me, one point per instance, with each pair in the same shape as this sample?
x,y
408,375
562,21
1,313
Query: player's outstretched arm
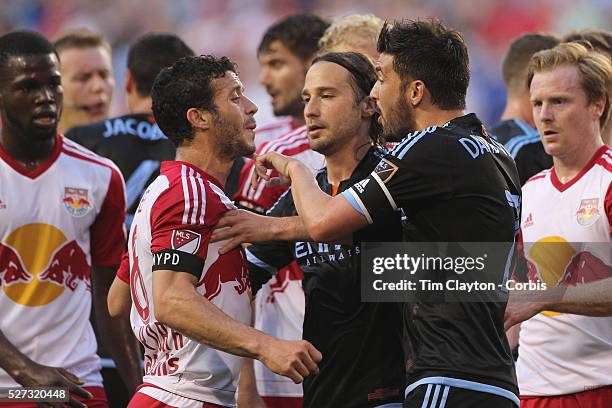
x,y
588,299
31,374
242,226
177,304
326,218
119,298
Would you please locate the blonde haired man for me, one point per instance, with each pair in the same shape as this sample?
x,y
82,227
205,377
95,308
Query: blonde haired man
x,y
357,33
87,77
565,357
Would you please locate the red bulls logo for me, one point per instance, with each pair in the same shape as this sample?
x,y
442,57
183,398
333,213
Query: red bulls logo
x,y
230,267
38,263
76,201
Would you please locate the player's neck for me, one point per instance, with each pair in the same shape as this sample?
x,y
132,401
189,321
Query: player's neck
x,y
207,160
569,164
140,105
27,152
298,121
341,164
515,110
436,117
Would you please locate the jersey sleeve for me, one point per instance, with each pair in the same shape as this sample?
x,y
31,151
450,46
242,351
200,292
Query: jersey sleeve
x,y
108,232
182,220
123,273
265,258
416,171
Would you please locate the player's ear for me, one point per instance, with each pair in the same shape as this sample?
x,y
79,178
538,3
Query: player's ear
x,y
597,107
199,119
368,107
415,92
129,82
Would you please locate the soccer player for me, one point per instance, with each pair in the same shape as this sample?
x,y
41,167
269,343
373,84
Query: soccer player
x,y
450,193
191,306
354,33
87,77
601,40
565,358
516,131
134,141
361,342
61,234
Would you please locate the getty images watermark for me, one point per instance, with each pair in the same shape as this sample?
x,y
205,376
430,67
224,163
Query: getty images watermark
x,y
443,272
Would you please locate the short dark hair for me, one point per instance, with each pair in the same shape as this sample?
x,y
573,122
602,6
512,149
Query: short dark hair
x,y
432,53
363,77
299,33
150,54
184,85
601,40
23,42
514,65
80,38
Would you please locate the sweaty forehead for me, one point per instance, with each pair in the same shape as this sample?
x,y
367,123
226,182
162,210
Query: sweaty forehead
x,y
25,64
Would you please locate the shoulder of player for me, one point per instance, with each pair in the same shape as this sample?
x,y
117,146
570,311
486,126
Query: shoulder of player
x,y
431,139
85,156
290,141
536,180
87,135
605,159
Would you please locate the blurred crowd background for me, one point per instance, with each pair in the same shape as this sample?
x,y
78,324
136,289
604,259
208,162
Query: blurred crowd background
x,y
234,28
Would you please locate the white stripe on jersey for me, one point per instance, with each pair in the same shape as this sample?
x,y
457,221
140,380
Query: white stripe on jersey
x,y
224,199
185,193
195,194
203,211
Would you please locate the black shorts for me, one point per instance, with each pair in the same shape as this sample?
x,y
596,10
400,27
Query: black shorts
x,y
446,396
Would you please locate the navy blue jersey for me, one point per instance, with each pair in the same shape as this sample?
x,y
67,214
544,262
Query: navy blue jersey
x,y
524,144
454,184
361,343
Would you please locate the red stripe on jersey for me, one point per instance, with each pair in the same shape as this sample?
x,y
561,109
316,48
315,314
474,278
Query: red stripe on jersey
x,y
274,126
538,176
90,159
596,157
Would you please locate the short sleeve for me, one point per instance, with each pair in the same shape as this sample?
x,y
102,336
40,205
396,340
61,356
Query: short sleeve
x,y
108,231
415,172
182,219
123,273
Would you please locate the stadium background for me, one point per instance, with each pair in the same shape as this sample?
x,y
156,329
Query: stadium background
x,y
235,27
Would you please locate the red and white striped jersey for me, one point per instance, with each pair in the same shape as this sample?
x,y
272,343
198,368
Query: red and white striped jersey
x,y
294,144
178,211
56,221
567,243
273,130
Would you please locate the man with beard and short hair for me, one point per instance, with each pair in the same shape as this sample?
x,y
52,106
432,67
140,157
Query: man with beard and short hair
x,y
183,291
87,77
342,125
516,131
62,209
458,351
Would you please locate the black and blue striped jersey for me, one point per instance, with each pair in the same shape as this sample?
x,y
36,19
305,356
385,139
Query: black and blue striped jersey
x,y
455,185
361,343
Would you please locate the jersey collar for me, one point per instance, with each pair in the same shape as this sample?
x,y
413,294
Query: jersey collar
x,y
42,167
165,166
562,187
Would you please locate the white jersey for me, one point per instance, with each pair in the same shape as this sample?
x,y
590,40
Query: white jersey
x,y
177,215
567,230
56,221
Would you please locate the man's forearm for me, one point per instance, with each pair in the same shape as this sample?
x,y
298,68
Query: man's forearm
x,y
311,203
183,309
288,229
13,361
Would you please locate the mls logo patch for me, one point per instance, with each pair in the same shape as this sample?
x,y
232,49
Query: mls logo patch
x,y
186,241
385,170
588,212
76,201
